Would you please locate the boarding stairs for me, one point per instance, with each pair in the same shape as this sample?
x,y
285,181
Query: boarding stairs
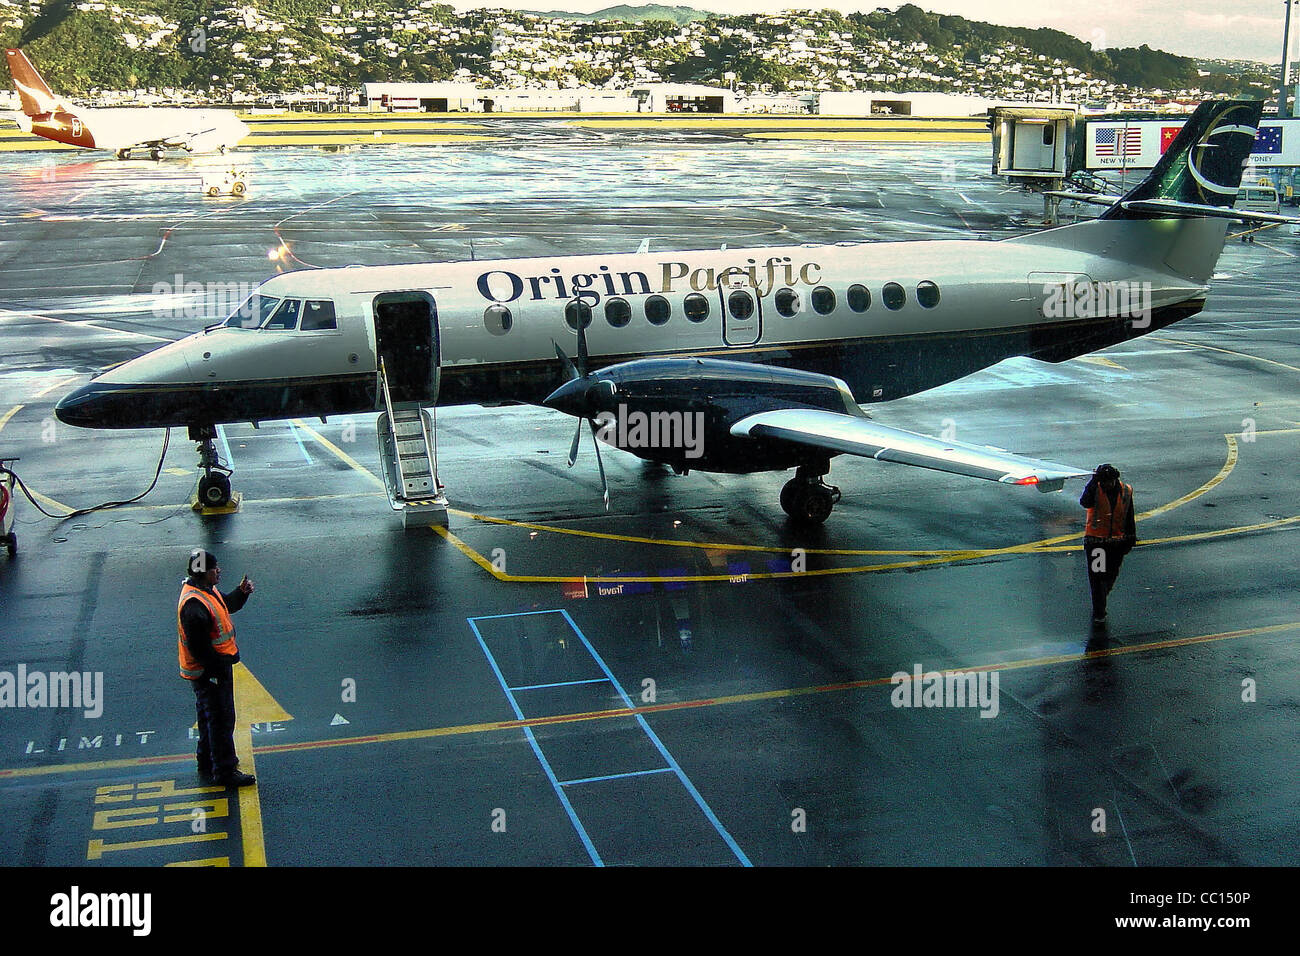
x,y
409,455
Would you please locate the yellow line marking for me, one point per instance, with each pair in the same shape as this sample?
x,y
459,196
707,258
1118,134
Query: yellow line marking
x,y
1213,348
343,456
1228,465
4,419
61,382
1101,360
254,706
97,848
492,726
46,500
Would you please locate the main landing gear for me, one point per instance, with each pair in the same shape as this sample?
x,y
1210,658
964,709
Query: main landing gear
x,y
808,499
214,484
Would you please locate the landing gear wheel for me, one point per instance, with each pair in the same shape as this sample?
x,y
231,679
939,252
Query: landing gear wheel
x,y
237,189
214,490
123,154
155,154
214,191
808,501
11,543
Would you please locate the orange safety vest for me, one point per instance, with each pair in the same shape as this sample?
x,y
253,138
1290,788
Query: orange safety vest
x,y
222,635
1105,521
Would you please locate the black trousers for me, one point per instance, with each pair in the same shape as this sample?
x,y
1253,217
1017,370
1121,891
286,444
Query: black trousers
x,y
1103,558
214,703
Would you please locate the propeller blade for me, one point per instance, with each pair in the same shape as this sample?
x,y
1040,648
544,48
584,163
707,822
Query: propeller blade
x,y
573,449
582,348
604,485
565,361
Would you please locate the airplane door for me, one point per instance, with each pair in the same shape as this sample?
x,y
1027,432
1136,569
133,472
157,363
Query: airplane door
x,y
406,338
742,310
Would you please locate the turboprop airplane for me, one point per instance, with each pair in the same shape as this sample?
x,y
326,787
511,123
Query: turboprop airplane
x,y
735,361
144,129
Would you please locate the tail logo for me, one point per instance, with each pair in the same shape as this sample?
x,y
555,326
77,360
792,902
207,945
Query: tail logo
x,y
76,127
1202,180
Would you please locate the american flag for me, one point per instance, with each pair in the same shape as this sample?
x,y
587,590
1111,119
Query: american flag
x,y
1113,141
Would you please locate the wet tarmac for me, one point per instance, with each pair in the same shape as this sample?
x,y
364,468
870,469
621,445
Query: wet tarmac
x,y
554,684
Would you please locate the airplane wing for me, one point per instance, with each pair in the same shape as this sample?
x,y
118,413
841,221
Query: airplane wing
x,y
849,434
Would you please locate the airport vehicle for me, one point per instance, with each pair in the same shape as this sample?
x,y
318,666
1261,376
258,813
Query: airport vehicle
x,y
1261,198
7,536
765,355
151,130
228,182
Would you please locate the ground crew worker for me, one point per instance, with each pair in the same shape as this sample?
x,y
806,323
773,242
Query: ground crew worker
x,y
1109,534
208,654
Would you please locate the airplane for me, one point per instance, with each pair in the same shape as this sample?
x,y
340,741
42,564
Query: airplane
x,y
149,130
726,360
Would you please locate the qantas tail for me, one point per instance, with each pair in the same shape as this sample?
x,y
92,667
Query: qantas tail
x,y
35,95
1202,166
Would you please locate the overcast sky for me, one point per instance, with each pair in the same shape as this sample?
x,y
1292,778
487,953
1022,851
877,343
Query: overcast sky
x,y
1231,29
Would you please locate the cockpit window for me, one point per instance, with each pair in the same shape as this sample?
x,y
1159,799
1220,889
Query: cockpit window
x,y
252,313
318,315
286,317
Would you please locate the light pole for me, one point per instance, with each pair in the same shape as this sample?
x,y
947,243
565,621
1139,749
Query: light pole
x,y
1282,110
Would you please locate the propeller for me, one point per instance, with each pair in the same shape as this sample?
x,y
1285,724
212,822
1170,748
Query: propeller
x,y
577,397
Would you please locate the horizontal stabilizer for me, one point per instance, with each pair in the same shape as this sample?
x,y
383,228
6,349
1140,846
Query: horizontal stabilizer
x,y
851,435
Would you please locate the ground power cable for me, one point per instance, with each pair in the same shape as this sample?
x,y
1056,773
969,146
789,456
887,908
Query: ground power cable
x,y
106,505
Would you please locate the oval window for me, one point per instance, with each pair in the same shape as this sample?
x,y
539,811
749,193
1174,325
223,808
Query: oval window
x,y
787,302
696,307
657,310
893,296
575,311
618,313
740,304
823,300
927,293
498,320
859,298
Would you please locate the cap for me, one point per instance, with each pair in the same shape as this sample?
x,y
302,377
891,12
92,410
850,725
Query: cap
x,y
200,562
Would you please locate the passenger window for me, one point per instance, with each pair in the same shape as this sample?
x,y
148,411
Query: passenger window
x,y
893,296
318,316
657,310
859,298
823,300
618,313
286,317
498,320
575,311
787,302
740,304
697,307
927,293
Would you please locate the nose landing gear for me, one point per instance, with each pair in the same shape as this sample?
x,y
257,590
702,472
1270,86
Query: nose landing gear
x,y
806,498
213,494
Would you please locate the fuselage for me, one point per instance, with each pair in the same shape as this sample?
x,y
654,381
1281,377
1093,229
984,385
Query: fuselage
x,y
196,130
888,318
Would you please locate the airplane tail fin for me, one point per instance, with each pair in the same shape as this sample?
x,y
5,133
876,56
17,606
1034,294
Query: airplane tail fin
x,y
32,91
1201,167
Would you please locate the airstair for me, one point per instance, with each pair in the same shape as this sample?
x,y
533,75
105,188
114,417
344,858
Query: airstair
x,y
409,455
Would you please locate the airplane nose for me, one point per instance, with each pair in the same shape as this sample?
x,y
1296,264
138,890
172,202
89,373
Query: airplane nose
x,y
82,407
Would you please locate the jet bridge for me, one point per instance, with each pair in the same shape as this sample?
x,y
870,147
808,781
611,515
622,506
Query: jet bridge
x,y
1031,148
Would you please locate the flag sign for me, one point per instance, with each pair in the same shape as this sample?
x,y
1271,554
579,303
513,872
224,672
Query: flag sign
x,y
1116,144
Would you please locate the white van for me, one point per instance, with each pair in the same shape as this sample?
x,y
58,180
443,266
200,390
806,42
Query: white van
x,y
1258,199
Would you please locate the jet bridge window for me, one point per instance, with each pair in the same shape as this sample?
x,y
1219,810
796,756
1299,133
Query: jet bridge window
x,y
893,296
575,311
787,302
823,300
927,293
696,307
318,316
254,311
618,313
859,297
657,310
284,318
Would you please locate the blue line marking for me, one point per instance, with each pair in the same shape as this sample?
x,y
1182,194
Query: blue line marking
x,y
494,617
567,683
681,775
225,445
528,732
298,438
615,776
